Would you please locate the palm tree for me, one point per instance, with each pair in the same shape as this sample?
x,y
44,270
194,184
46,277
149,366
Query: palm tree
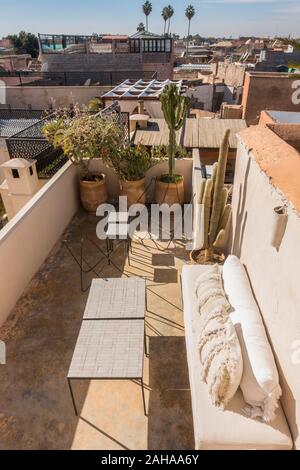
x,y
170,10
165,15
141,27
147,9
189,13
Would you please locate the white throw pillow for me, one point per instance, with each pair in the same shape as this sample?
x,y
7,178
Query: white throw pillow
x,y
260,381
209,295
220,357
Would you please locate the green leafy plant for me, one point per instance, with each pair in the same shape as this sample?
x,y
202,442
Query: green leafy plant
x,y
217,212
175,108
131,163
25,42
84,137
94,105
53,131
161,152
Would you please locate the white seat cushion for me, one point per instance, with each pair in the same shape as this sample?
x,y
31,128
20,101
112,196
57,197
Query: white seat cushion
x,y
229,429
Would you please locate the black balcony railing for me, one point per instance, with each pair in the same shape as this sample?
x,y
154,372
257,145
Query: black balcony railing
x,y
74,78
31,144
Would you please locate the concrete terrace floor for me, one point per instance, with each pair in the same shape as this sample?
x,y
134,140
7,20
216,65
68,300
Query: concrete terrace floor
x,y
35,405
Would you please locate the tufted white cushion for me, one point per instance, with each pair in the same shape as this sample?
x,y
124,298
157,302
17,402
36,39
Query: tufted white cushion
x,y
260,381
220,357
219,348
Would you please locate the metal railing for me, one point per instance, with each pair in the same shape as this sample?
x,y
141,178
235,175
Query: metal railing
x,y
30,143
73,78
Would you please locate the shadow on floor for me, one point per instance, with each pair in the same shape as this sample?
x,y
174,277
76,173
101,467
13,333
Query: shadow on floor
x,y
170,423
36,410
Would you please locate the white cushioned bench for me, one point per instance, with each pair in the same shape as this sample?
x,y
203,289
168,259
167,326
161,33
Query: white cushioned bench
x,y
229,429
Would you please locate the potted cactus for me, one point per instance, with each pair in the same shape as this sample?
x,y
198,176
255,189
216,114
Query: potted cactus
x,y
169,187
217,213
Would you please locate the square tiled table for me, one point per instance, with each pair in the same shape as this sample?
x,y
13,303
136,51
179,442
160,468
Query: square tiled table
x,y
117,298
108,350
112,341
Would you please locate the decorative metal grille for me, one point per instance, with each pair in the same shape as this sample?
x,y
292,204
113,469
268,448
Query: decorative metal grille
x,y
13,121
30,144
120,118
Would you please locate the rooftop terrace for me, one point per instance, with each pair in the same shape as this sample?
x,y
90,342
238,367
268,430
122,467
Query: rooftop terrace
x,y
40,334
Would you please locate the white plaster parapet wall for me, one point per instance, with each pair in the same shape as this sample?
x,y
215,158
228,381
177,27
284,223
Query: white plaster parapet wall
x,y
4,156
27,240
274,275
43,97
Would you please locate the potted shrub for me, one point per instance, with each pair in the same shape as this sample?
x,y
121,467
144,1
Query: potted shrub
x,y
169,187
83,138
131,164
217,214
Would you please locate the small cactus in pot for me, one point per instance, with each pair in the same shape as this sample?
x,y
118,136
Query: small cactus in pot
x,y
217,212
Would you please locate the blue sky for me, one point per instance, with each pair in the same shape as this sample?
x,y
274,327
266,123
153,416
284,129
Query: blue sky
x,y
214,17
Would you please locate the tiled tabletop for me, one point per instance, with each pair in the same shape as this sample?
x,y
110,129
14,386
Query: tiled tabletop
x,y
118,298
109,349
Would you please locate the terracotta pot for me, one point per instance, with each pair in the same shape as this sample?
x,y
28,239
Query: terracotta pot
x,y
93,193
199,257
169,193
134,190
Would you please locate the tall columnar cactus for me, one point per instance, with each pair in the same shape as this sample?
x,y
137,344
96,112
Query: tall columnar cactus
x,y
175,108
214,196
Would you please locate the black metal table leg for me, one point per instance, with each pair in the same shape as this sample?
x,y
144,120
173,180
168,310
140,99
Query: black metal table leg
x,y
128,250
107,250
143,395
145,341
72,396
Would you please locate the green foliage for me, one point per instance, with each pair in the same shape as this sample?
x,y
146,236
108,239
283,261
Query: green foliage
x,y
94,105
53,131
25,43
131,163
160,152
147,9
214,196
141,27
175,108
167,14
84,137
190,12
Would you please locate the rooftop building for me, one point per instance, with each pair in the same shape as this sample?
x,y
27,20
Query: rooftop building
x,y
143,52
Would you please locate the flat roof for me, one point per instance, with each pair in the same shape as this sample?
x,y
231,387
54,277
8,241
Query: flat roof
x,y
285,117
196,133
156,133
208,133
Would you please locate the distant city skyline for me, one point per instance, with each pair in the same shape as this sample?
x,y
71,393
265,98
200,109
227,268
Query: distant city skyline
x,y
213,17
